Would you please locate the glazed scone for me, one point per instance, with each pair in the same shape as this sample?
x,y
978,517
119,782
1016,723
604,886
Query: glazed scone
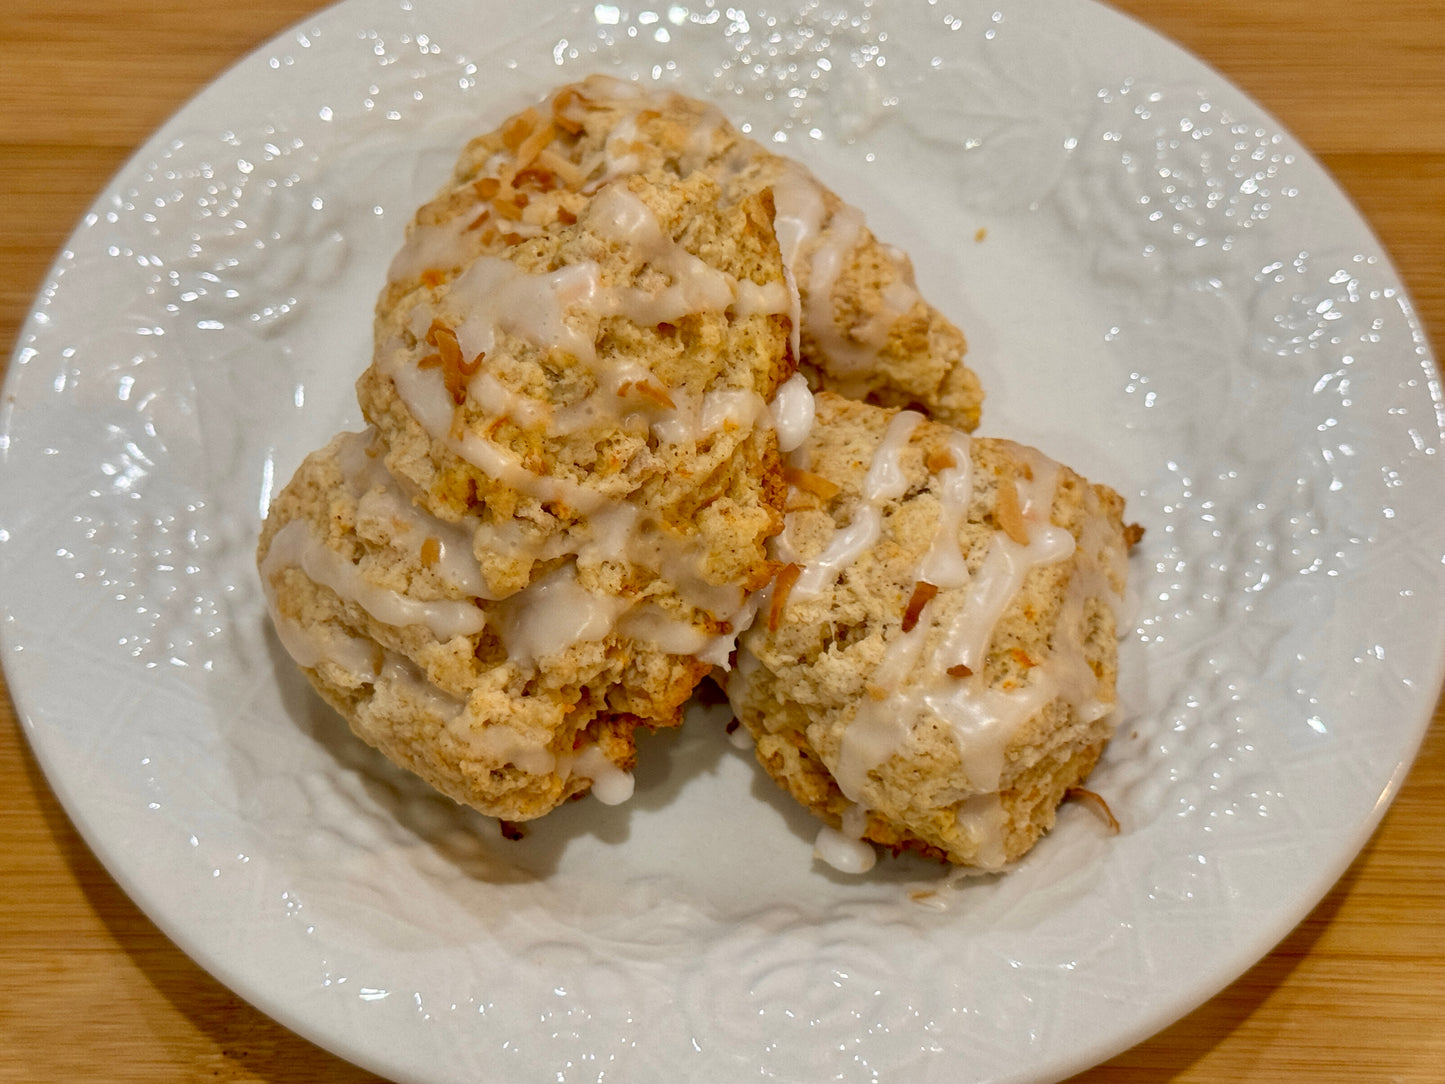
x,y
863,328
935,665
377,602
554,526
600,389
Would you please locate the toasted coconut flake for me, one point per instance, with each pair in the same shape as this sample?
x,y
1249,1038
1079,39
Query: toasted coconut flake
x,y
509,205
534,144
923,593
809,482
566,217
560,114
457,372
537,178
487,187
648,390
959,671
518,128
1010,516
433,277
1133,534
562,167
431,551
782,588
1100,806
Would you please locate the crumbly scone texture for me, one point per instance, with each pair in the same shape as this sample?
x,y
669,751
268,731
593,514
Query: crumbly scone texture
x,y
865,329
587,418
557,515
956,719
499,734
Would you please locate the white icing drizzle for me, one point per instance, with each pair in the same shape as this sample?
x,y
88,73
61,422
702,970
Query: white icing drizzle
x,y
844,548
295,545
982,817
793,411
425,395
619,154
816,249
915,686
844,847
499,743
400,676
364,662
650,624
998,581
561,311
496,295
844,853
610,784
552,614
431,246
698,417
909,685
885,481
878,729
617,214
379,496
943,565
324,643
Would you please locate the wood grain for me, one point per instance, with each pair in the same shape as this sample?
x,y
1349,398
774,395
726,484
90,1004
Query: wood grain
x,y
90,990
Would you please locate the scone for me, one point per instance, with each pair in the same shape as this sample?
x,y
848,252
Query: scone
x,y
935,664
600,388
862,327
554,526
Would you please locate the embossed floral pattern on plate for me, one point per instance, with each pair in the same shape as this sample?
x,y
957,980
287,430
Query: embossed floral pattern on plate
x,y
1160,287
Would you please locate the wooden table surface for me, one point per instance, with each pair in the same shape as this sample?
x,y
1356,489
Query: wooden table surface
x,y
90,990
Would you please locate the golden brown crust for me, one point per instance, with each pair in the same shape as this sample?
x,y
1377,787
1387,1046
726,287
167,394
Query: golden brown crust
x,y
550,531
859,693
872,336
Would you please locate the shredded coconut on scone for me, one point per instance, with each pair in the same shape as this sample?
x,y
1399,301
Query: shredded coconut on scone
x,y
935,665
862,328
554,526
608,453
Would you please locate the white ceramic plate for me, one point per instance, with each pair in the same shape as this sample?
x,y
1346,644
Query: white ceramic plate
x,y
1160,287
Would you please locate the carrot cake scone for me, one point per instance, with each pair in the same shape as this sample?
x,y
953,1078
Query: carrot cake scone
x,y
935,664
555,524
644,404
862,328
